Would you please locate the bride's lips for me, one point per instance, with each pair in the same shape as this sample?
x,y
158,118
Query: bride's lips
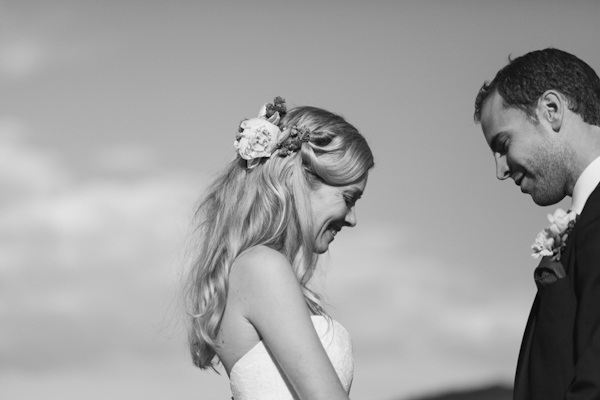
x,y
333,230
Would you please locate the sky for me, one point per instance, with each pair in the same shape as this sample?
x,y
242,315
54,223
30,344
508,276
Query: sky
x,y
115,115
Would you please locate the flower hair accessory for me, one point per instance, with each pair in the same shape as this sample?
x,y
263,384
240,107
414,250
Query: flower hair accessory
x,y
552,240
292,139
260,137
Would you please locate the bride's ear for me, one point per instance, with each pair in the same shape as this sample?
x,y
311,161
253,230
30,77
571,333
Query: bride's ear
x,y
551,108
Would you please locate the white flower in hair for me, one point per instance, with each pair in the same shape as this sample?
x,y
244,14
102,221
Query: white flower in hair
x,y
258,137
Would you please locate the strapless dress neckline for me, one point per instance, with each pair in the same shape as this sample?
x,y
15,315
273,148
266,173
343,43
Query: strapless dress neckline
x,y
255,375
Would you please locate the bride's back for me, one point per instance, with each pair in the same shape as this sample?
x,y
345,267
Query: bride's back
x,y
237,336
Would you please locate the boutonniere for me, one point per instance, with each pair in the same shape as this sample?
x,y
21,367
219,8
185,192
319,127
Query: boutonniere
x,y
552,240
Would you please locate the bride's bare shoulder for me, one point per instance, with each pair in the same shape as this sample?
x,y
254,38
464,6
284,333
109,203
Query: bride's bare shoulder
x,y
259,259
262,268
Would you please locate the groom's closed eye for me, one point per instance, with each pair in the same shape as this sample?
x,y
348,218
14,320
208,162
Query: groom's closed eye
x,y
499,143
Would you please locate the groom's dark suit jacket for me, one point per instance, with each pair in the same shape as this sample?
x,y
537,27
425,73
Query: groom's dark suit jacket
x,y
560,353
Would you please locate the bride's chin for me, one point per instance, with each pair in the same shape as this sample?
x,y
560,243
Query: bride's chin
x,y
320,247
323,241
320,251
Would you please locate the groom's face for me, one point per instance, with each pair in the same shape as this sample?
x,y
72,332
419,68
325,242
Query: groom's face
x,y
524,151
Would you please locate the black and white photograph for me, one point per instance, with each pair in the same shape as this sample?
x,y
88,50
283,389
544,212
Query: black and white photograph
x,y
299,200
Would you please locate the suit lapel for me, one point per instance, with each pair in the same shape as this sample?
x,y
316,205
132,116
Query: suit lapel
x,y
521,390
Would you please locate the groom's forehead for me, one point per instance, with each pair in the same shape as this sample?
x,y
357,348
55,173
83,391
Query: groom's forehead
x,y
492,112
492,108
498,118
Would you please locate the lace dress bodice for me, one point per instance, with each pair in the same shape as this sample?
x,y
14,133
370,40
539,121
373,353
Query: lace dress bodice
x,y
256,377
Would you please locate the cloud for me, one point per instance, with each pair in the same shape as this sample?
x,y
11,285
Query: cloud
x,y
416,315
92,261
26,171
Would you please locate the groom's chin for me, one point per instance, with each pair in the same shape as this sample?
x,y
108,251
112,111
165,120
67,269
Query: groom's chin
x,y
545,200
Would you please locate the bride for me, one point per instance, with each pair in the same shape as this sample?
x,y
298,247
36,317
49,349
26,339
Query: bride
x,y
292,187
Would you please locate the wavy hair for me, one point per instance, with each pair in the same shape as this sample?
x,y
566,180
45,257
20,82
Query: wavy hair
x,y
526,78
267,205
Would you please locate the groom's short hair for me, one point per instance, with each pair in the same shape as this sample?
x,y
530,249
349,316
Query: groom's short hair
x,y
526,78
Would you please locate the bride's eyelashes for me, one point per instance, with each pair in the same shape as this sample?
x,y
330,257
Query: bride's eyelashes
x,y
349,199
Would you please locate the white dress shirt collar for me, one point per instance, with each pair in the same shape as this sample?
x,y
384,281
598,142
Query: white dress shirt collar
x,y
585,185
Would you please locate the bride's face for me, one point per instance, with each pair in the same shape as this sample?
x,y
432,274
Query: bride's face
x,y
333,207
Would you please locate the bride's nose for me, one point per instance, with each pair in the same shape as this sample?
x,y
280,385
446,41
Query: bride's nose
x,y
351,217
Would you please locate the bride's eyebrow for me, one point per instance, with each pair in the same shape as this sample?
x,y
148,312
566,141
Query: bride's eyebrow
x,y
354,192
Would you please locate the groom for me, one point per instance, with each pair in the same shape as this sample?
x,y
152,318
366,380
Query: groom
x,y
541,118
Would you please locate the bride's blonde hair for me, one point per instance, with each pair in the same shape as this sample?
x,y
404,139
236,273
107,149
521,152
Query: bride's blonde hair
x,y
267,205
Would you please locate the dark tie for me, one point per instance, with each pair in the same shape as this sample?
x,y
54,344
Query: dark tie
x,y
548,272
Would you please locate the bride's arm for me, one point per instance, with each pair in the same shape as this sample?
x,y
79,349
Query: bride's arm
x,y
274,304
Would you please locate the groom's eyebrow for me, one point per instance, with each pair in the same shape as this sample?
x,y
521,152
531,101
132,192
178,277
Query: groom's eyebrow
x,y
496,144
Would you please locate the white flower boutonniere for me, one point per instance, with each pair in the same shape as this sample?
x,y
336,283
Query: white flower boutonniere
x,y
552,240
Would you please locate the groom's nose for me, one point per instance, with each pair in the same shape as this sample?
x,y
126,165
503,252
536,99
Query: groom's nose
x,y
502,170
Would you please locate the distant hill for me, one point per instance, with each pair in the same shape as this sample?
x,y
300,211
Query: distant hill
x,y
487,393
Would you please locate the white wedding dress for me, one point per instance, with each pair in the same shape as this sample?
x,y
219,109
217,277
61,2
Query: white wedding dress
x,y
256,377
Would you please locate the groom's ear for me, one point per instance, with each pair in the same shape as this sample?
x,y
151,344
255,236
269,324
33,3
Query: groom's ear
x,y
551,108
